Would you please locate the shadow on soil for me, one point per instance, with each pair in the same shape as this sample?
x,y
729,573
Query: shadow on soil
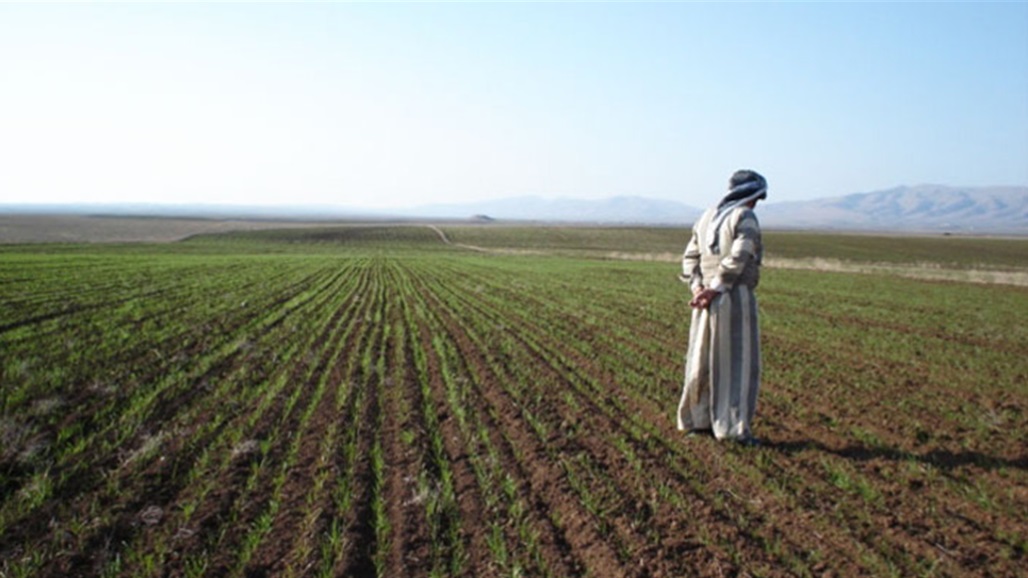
x,y
942,459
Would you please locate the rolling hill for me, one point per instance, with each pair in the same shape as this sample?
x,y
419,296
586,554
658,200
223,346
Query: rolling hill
x,y
921,208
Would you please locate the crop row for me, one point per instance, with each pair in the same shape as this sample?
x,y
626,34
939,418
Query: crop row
x,y
357,411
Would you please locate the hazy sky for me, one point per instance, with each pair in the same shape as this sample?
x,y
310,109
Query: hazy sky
x,y
384,105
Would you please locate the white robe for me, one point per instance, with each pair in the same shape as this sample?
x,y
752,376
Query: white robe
x,y
722,367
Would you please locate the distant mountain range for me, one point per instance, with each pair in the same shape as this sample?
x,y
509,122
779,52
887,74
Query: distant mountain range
x,y
922,208
624,209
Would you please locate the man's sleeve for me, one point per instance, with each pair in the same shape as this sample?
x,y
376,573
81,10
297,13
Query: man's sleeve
x,y
691,263
745,243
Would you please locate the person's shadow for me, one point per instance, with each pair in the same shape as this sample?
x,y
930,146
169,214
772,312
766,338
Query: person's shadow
x,y
942,459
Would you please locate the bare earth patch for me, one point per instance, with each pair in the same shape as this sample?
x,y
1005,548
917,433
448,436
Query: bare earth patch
x,y
914,271
930,271
16,229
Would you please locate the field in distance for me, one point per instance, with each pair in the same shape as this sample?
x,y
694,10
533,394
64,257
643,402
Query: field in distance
x,y
479,401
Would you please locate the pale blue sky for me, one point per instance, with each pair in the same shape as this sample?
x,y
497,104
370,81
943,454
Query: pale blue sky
x,y
387,105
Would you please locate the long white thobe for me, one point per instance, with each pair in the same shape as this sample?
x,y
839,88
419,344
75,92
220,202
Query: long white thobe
x,y
722,367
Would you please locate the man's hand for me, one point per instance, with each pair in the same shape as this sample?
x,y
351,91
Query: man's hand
x,y
701,298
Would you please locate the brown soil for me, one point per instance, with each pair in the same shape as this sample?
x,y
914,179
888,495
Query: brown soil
x,y
556,467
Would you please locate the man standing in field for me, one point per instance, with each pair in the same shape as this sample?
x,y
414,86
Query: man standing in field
x,y
722,266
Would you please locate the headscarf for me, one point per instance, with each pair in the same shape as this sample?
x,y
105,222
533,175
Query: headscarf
x,y
744,186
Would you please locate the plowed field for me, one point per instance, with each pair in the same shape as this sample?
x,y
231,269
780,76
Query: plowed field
x,y
371,401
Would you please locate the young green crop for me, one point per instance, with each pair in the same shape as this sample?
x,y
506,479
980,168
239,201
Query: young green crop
x,y
349,400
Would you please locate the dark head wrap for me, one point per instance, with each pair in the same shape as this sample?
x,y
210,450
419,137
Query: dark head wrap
x,y
744,187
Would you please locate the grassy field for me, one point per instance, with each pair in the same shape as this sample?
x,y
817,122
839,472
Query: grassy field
x,y
498,401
